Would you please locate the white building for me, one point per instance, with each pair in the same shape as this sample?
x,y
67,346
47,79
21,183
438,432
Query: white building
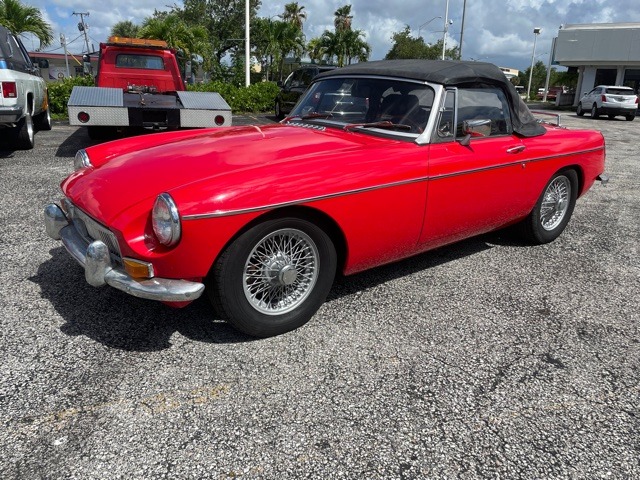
x,y
603,53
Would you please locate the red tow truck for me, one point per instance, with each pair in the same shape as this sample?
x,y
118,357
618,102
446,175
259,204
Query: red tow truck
x,y
138,84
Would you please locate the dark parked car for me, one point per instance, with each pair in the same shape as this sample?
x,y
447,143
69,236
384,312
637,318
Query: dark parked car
x,y
294,86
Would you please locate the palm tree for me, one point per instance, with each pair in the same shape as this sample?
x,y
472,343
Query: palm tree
x,y
355,46
190,40
316,50
343,17
289,40
125,28
21,19
294,14
343,45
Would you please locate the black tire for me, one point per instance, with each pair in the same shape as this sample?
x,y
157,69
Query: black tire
x,y
278,110
24,135
553,209
594,111
273,277
42,121
630,118
611,117
579,110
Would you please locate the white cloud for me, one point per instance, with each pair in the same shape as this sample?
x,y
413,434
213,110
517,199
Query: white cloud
x,y
501,31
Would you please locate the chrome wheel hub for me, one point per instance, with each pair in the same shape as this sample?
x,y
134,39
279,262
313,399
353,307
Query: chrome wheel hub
x,y
281,271
555,203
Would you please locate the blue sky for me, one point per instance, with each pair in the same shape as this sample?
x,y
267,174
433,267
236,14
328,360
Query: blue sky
x,y
496,31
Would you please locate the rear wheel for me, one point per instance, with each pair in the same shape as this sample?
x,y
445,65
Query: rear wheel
x,y
273,277
24,134
594,111
553,209
43,120
630,117
611,117
579,110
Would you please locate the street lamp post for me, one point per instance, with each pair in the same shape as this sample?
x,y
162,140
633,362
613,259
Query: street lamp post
x,y
247,45
536,32
427,23
446,27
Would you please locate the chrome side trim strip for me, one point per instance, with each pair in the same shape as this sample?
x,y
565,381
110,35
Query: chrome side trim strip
x,y
227,213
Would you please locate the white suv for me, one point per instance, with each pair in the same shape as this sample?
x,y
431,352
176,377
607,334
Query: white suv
x,y
23,93
609,100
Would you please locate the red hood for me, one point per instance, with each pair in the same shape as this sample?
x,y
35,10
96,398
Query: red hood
x,y
229,166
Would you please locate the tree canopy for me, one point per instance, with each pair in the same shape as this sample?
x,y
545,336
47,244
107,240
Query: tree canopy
x,y
406,47
22,19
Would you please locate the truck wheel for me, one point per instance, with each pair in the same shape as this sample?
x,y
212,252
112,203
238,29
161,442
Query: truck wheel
x,y
24,135
43,120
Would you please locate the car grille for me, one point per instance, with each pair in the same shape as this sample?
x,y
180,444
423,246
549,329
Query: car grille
x,y
91,230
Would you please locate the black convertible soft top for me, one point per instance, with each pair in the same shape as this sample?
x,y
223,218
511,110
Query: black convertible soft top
x,y
450,73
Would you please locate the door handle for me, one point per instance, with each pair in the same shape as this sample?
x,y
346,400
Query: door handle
x,y
517,149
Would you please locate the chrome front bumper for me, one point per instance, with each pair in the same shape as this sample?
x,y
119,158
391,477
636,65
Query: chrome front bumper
x,y
99,270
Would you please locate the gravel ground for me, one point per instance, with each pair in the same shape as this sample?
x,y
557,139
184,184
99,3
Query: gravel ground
x,y
483,359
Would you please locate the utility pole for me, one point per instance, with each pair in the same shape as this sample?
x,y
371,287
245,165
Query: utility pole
x,y
464,14
83,27
63,41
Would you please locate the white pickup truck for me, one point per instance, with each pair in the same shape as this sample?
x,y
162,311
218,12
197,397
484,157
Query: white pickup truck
x,y
24,102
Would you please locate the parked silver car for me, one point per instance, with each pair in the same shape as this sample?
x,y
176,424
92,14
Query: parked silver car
x,y
609,100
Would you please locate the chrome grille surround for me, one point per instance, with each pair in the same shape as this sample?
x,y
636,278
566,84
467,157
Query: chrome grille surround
x,y
92,230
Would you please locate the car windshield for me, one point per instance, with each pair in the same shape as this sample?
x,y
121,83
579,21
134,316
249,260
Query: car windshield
x,y
367,103
619,91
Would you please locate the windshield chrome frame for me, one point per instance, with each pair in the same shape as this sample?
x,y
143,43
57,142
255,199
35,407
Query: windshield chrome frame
x,y
420,139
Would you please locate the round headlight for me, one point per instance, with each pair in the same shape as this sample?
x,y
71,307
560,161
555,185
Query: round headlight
x,y
81,160
166,220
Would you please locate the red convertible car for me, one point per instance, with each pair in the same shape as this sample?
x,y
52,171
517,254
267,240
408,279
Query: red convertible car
x,y
377,162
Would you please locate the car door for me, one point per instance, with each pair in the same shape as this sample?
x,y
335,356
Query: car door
x,y
473,188
27,82
591,98
293,88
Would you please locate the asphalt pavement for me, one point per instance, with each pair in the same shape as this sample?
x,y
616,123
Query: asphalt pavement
x,y
484,359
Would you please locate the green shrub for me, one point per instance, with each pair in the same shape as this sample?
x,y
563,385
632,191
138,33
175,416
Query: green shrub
x,y
257,97
60,91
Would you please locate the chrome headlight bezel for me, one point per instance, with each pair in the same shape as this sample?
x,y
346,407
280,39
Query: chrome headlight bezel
x,y
81,160
165,220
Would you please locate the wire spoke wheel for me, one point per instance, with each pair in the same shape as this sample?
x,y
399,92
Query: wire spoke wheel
x,y
281,271
555,203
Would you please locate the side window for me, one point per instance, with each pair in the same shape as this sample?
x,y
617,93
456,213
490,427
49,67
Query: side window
x,y
287,82
17,61
296,81
306,77
444,129
484,102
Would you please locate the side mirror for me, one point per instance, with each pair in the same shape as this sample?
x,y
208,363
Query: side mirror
x,y
475,128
